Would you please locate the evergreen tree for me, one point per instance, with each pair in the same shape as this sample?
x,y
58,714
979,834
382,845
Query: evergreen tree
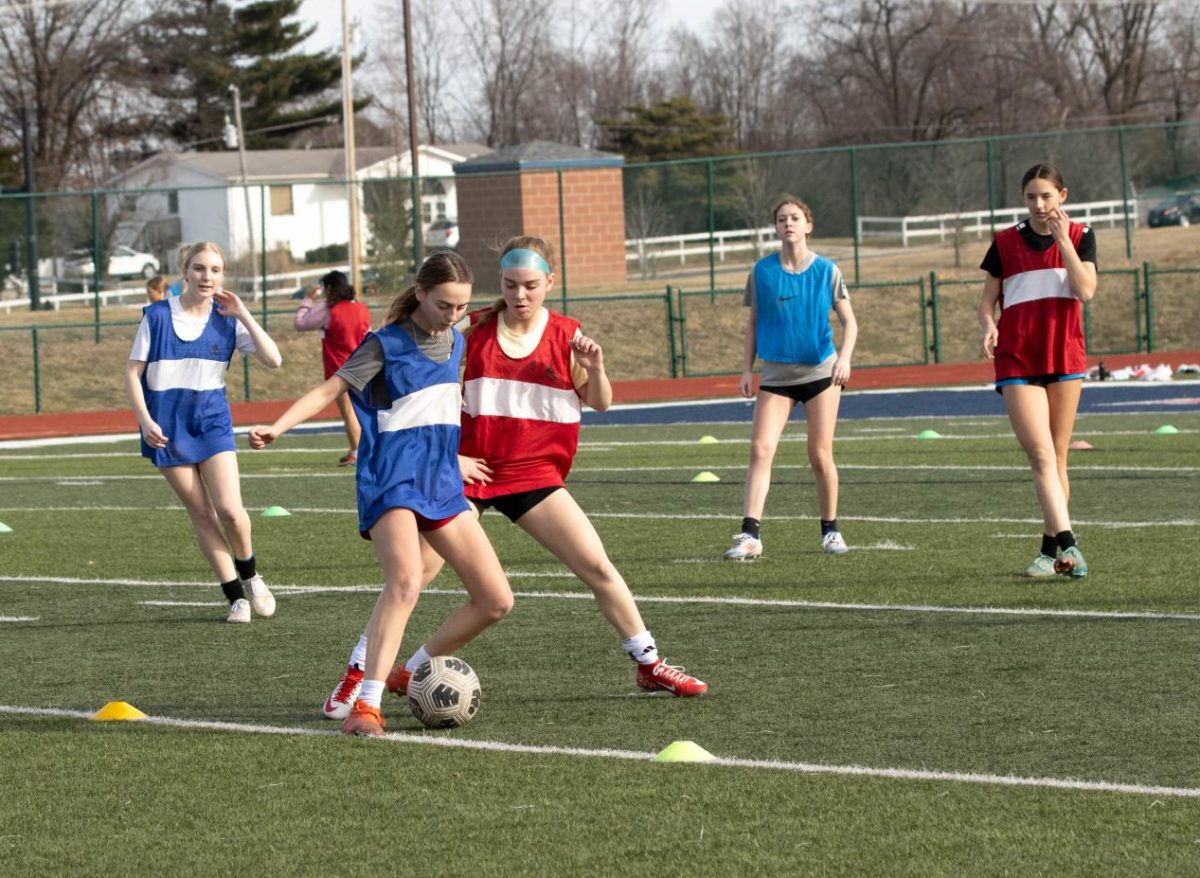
x,y
670,129
201,47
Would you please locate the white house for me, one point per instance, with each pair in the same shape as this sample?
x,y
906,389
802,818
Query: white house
x,y
297,198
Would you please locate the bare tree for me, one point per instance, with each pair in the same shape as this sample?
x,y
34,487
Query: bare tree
x,y
507,41
65,61
432,34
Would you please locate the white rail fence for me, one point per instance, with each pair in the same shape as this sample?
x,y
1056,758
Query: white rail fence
x,y
281,285
979,223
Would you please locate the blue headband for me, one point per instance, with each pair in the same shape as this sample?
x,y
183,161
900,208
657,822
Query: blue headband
x,y
523,258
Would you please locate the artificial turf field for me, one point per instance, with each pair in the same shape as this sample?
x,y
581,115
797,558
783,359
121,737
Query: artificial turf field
x,y
911,708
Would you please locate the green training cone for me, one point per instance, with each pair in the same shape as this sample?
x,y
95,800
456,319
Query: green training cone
x,y
4,528
117,711
683,751
708,440
706,476
929,434
1166,429
275,512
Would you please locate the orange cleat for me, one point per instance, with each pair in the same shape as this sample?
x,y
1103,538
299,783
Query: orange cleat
x,y
397,681
364,720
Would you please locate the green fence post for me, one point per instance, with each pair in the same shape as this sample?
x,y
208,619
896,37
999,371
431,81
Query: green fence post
x,y
671,332
854,208
246,377
683,341
37,378
712,222
1125,192
1149,302
414,186
562,241
96,263
262,200
924,324
933,316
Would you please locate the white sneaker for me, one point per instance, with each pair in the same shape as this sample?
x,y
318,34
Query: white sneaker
x,y
239,611
1162,372
260,596
745,548
833,544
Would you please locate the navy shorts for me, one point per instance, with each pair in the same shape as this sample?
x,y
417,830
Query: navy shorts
x,y
1039,380
513,506
801,393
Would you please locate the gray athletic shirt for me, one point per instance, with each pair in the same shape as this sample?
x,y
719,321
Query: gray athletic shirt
x,y
365,365
783,374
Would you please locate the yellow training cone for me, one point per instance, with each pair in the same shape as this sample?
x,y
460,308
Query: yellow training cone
x,y
4,528
118,711
706,476
683,751
708,440
275,512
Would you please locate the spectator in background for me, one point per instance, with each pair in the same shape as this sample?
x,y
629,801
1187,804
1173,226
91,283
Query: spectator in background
x,y
343,322
156,288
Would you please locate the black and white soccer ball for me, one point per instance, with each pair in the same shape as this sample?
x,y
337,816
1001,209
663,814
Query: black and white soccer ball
x,y
444,693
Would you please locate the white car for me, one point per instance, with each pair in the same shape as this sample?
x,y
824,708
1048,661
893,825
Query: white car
x,y
124,262
442,235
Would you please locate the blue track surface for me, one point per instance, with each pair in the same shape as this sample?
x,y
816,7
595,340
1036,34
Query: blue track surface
x,y
1111,398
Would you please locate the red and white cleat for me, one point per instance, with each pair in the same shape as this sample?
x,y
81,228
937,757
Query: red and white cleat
x,y
339,702
661,677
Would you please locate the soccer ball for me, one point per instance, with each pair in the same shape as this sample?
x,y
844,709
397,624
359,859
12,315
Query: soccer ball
x,y
443,693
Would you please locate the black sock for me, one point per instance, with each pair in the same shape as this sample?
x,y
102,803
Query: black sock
x,y
751,526
828,526
233,590
1065,539
245,569
1049,546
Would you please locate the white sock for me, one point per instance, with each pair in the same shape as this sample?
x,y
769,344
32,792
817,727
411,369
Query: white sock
x,y
371,693
358,657
641,648
418,658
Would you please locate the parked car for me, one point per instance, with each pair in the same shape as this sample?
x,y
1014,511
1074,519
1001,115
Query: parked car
x,y
1178,210
123,262
442,235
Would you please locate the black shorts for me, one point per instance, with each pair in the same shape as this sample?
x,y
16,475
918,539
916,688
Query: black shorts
x,y
513,506
801,393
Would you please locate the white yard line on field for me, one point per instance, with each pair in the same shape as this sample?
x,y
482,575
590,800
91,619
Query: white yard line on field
x,y
19,618
665,516
434,740
368,588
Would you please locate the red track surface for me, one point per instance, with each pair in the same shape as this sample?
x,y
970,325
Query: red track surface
x,y
247,413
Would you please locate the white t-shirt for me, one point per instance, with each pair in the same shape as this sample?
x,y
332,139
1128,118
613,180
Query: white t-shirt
x,y
187,328
519,345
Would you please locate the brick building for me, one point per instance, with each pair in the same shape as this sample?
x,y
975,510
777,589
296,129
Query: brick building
x,y
545,189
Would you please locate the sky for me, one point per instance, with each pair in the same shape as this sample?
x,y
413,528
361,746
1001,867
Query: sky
x,y
328,16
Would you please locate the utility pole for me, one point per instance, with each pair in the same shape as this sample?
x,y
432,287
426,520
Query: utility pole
x,y
31,241
417,217
238,133
351,162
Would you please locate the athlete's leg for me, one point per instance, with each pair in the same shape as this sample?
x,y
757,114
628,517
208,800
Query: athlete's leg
x,y
562,527
185,481
1029,413
350,419
1063,399
489,600
221,479
821,413
771,413
467,550
398,549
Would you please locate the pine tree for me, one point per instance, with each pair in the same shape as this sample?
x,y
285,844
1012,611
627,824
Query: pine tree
x,y
204,46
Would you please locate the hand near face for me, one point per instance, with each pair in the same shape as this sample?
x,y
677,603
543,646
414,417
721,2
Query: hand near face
x,y
587,352
1059,225
228,304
